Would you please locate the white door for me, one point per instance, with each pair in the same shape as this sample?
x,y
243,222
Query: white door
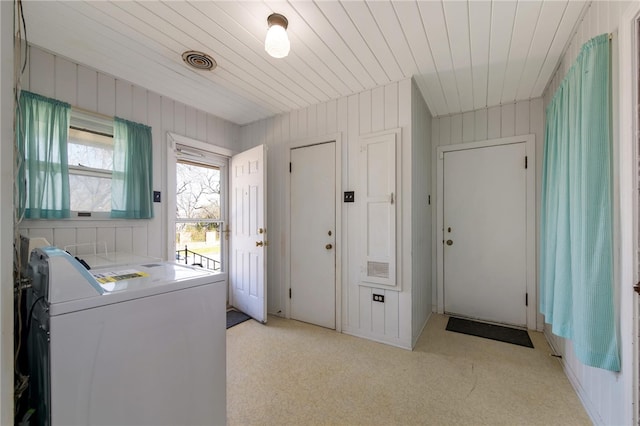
x,y
485,233
313,259
247,226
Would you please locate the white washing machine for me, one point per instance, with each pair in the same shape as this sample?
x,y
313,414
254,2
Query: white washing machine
x,y
139,344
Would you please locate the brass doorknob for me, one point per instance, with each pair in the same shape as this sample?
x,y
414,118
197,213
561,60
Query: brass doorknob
x,y
259,243
328,246
449,242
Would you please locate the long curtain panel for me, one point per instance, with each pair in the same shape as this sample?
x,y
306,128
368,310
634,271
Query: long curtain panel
x,y
576,253
131,186
43,174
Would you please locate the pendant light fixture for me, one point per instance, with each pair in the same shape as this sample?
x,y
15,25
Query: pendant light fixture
x,y
277,42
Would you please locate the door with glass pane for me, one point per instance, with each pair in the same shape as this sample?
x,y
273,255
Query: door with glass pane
x,y
199,230
208,187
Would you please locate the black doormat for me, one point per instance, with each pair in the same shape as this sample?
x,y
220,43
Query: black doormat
x,y
490,331
235,318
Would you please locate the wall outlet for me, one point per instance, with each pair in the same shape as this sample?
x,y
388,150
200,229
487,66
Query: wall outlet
x,y
378,298
156,196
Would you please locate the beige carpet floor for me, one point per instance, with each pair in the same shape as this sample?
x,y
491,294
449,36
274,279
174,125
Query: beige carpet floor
x,y
292,373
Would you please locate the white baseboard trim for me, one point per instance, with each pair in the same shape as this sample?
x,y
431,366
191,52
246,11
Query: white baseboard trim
x,y
377,338
417,336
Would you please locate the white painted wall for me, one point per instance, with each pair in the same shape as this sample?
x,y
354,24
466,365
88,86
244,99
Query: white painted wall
x,y
516,119
58,78
6,212
607,396
383,108
421,212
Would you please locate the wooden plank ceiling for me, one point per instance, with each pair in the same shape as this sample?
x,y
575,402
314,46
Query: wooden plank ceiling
x,y
465,54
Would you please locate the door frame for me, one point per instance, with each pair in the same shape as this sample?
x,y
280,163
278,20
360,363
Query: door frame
x,y
626,200
531,273
339,211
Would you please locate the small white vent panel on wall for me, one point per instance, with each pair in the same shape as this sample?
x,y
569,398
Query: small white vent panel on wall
x,y
377,208
378,269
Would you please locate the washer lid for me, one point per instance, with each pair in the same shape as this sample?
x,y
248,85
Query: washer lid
x,y
150,275
135,281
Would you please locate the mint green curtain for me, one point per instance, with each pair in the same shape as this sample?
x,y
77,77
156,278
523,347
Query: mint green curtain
x,y
131,185
576,255
43,175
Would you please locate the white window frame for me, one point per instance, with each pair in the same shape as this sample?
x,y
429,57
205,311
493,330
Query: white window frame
x,y
93,123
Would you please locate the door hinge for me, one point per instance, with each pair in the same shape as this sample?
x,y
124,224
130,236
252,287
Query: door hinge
x,y
526,299
429,199
526,161
289,167
636,288
289,293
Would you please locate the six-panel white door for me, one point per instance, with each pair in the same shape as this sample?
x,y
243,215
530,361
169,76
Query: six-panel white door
x,y
247,222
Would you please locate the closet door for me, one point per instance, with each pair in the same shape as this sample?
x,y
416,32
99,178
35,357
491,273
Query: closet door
x,y
378,209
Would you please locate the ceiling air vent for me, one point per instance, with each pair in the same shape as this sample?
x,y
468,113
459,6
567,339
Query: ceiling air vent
x,y
199,60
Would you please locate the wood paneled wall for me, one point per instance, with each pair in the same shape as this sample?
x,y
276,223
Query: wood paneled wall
x,y
422,208
383,108
607,396
56,77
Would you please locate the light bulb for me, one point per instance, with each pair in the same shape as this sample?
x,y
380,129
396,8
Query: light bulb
x,y
277,42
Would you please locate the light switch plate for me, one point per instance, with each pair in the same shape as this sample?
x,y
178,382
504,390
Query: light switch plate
x,y
349,196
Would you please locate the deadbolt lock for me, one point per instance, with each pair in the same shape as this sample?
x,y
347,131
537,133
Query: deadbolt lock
x,y
449,242
328,246
261,230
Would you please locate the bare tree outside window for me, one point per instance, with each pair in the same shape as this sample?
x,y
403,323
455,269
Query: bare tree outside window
x,y
90,159
197,192
198,211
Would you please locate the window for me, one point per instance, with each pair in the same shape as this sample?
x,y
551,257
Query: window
x,y
90,159
75,161
199,223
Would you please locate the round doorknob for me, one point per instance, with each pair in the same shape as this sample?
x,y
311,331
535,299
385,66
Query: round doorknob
x,y
259,244
328,246
449,242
